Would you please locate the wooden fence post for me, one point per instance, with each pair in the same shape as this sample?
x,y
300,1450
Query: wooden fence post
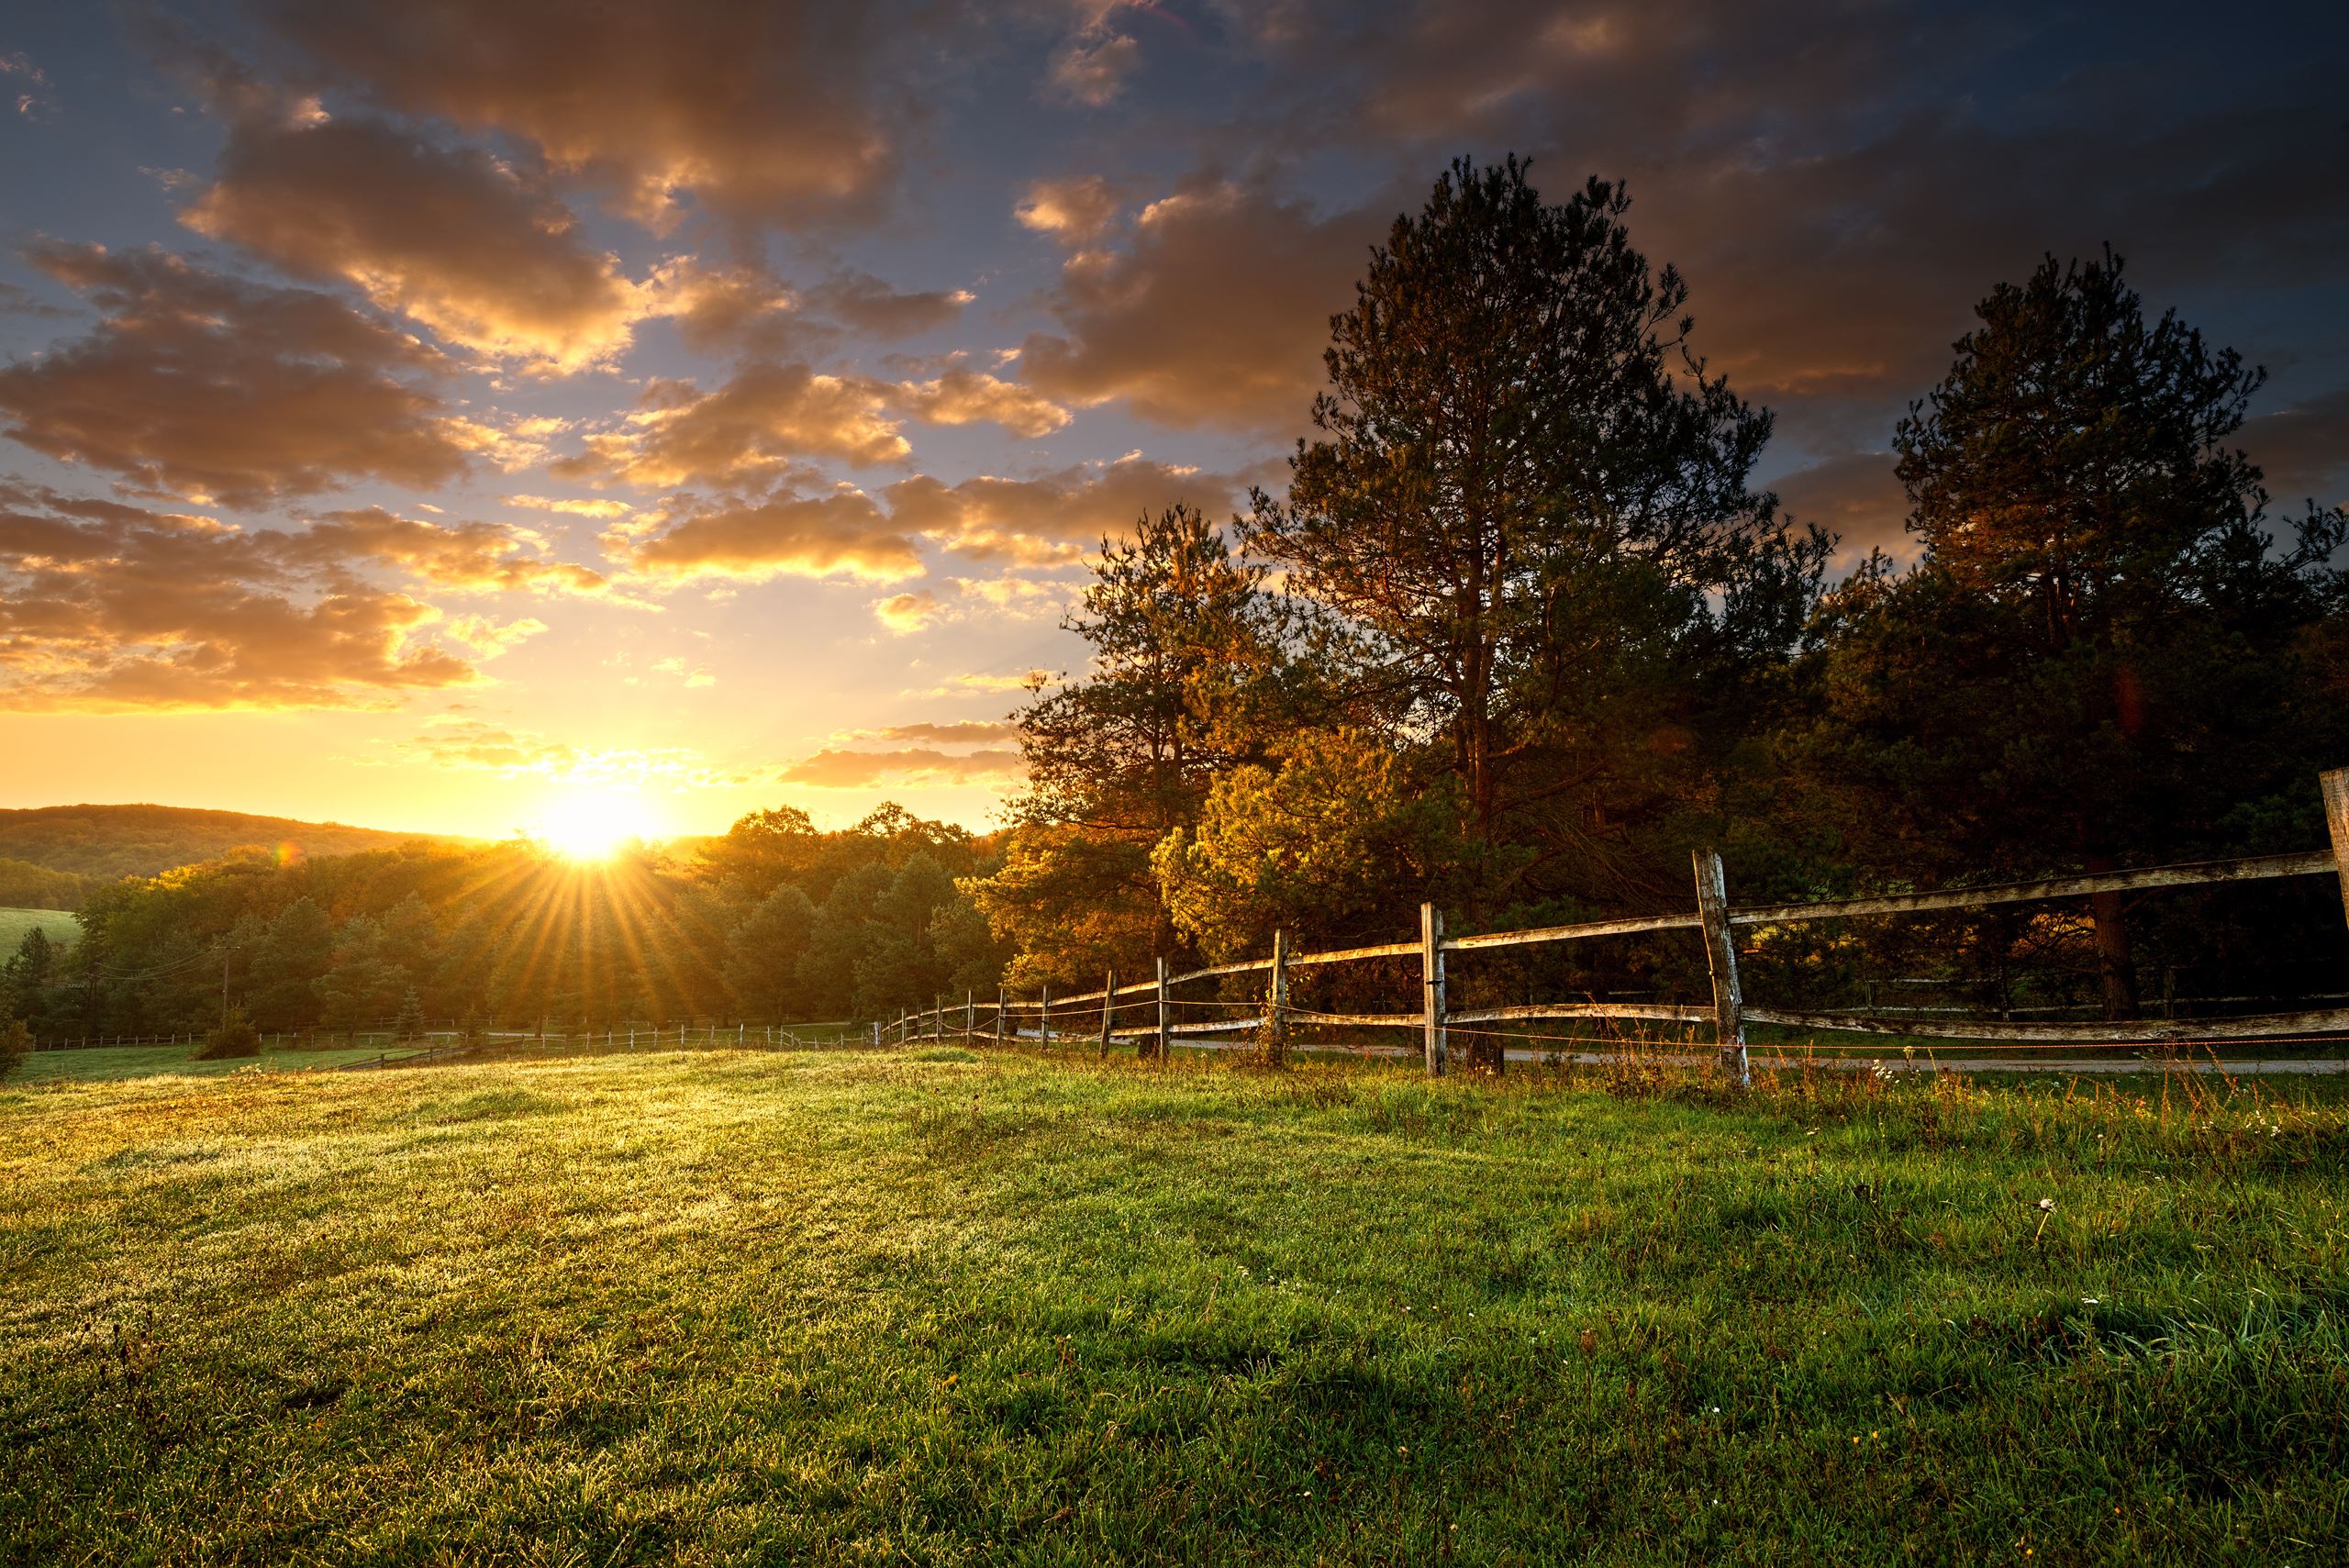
x,y
1109,1008
970,1019
1276,1003
938,1014
1721,956
1044,1014
1432,985
2335,786
1166,1015
998,1014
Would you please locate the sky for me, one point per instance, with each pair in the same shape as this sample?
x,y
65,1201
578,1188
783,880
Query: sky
x,y
464,416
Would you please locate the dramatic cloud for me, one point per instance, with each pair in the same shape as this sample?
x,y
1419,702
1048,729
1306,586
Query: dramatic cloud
x,y
735,309
1055,518
26,84
447,236
1841,185
963,397
576,508
764,416
17,301
911,766
996,599
959,732
474,558
202,386
904,613
875,308
1215,315
107,606
1076,211
770,111
843,534
1092,69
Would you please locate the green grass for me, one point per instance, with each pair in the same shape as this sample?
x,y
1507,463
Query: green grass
x,y
16,923
940,1307
110,1063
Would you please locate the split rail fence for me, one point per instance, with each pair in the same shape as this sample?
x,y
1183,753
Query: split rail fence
x,y
1714,918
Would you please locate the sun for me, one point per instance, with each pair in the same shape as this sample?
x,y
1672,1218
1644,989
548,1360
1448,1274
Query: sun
x,y
595,825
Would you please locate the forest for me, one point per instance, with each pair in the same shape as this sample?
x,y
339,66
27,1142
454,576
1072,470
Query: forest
x,y
1521,630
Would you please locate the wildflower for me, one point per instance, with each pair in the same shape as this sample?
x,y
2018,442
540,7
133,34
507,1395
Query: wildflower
x,y
2047,1206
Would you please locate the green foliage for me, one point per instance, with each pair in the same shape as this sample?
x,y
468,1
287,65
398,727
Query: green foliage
x,y
292,963
503,932
1039,1312
1188,678
764,950
2102,654
234,1039
16,1044
1339,840
24,885
1529,513
410,1022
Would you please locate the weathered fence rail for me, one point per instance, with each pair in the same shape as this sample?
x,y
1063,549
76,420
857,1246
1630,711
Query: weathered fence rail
x,y
1716,918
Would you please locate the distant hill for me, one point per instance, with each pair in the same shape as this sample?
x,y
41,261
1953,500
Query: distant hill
x,y
104,842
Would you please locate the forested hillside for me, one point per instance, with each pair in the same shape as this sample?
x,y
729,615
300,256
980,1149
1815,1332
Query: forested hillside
x,y
103,842
24,885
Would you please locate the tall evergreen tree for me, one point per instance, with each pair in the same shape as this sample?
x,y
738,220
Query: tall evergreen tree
x,y
2102,652
1529,501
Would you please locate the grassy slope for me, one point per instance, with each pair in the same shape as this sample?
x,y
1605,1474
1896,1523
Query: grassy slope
x,y
14,923
728,1308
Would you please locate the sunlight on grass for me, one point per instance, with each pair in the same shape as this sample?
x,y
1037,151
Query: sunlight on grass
x,y
968,1306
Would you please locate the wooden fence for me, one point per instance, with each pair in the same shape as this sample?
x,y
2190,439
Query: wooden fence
x,y
1714,918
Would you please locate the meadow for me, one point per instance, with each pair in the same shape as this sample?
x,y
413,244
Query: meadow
x,y
940,1305
15,924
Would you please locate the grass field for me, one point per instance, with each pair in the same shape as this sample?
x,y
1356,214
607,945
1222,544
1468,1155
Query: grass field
x,y
14,923
934,1306
101,1063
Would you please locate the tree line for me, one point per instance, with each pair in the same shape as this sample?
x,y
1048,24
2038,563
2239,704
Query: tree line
x,y
1521,630
775,920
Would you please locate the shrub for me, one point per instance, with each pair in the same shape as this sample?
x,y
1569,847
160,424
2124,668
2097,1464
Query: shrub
x,y
234,1038
16,1044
